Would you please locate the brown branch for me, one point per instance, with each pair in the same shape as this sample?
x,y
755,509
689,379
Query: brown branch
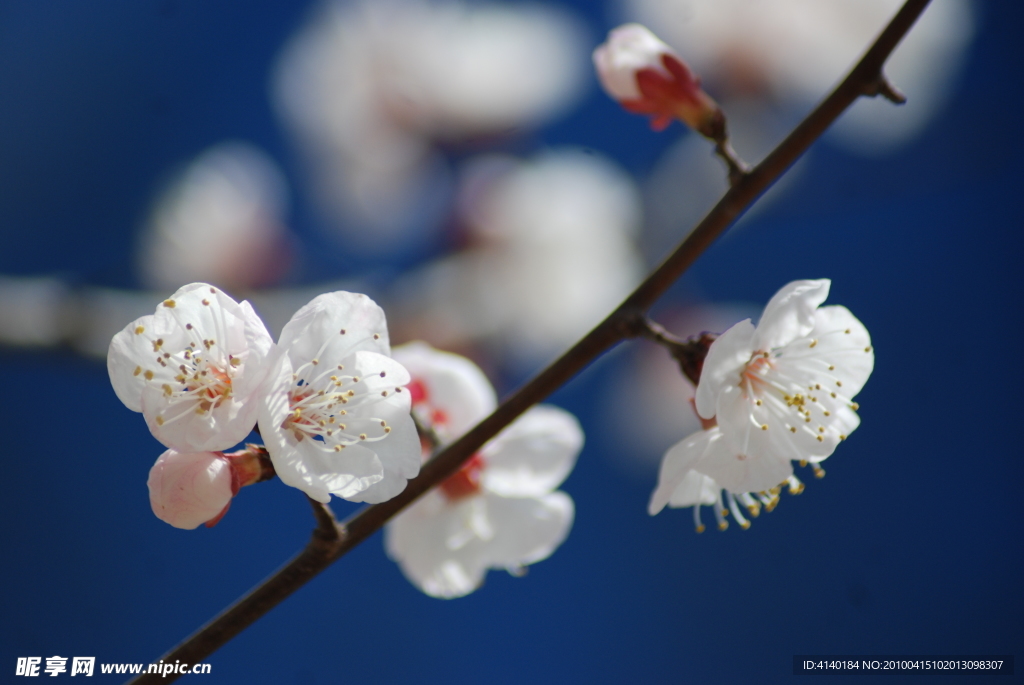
x,y
327,547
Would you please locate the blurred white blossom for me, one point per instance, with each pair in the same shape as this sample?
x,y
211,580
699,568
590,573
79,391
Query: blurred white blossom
x,y
221,220
552,252
369,87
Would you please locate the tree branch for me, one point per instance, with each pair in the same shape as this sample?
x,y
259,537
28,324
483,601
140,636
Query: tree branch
x,y
327,546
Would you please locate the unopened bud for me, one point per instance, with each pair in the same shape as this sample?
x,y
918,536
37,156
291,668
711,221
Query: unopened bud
x,y
191,488
187,489
646,76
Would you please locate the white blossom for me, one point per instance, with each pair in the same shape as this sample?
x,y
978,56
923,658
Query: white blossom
x,y
335,418
191,488
500,510
781,391
194,368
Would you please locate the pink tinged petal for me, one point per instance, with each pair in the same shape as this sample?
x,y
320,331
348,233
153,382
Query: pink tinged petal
x,y
189,489
678,463
629,49
790,314
451,385
533,455
727,357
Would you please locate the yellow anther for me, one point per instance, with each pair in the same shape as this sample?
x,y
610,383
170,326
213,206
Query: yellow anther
x,y
387,429
764,426
758,402
821,439
854,406
847,331
169,303
139,330
236,362
868,348
159,420
700,528
168,391
148,375
792,429
138,370
831,367
745,524
723,525
813,343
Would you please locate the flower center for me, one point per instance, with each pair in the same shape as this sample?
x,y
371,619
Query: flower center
x,y
322,408
466,481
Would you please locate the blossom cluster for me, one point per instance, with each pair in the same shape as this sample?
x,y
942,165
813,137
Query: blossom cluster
x,y
338,416
327,397
769,395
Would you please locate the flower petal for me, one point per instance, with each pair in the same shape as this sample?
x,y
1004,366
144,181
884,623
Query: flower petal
x,y
678,464
694,489
344,322
527,529
790,313
399,454
452,384
418,540
726,358
534,454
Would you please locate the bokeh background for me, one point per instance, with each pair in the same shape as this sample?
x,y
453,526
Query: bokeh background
x,y
459,163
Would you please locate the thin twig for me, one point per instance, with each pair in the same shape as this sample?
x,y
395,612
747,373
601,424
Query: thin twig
x,y
320,553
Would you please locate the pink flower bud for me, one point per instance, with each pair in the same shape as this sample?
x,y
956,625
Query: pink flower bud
x,y
191,488
647,77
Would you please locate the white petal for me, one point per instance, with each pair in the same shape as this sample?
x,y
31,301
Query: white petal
x,y
304,464
189,489
322,321
790,313
527,529
739,473
726,359
678,463
695,488
534,454
399,453
418,540
452,384
445,548
842,342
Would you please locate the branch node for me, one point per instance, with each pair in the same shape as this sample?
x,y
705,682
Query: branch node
x,y
882,86
738,169
327,530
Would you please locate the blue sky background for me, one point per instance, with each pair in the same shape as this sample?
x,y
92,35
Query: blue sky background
x,y
911,544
